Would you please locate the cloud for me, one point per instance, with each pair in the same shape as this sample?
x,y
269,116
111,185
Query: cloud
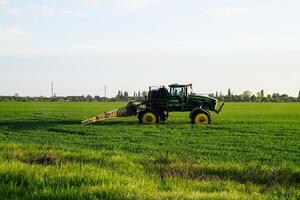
x,y
48,11
135,3
125,3
74,13
14,41
44,10
225,11
13,32
8,8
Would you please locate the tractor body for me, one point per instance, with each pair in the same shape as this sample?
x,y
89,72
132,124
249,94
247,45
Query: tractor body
x,y
160,101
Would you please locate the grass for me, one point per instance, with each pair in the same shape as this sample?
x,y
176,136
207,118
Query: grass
x,y
251,151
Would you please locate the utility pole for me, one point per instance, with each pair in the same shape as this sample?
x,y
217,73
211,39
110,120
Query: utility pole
x,y
51,89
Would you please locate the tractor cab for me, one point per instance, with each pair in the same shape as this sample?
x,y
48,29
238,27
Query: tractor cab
x,y
178,97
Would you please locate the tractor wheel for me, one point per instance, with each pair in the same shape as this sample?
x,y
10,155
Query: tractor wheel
x,y
201,118
148,117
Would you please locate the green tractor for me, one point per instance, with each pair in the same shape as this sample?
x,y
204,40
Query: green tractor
x,y
160,101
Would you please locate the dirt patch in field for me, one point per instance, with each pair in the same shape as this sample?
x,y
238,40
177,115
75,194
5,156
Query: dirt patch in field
x,y
253,173
45,160
35,124
63,131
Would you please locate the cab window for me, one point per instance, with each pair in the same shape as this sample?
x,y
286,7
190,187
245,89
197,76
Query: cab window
x,y
177,91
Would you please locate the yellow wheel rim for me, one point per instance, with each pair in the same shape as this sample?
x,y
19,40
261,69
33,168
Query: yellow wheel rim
x,y
149,118
201,118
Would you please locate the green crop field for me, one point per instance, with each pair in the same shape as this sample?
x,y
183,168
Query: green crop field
x,y
251,151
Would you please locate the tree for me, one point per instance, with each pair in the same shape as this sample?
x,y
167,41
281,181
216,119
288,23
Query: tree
x,y
284,97
258,96
229,92
269,98
228,95
126,94
89,98
253,98
246,95
299,96
275,97
264,99
262,93
97,98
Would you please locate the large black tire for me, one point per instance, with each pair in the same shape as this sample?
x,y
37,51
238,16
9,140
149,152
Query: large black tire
x,y
148,117
200,117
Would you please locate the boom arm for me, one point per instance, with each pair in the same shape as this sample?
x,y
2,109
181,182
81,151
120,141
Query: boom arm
x,y
129,110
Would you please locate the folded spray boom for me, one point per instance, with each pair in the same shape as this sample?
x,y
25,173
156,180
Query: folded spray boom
x,y
129,110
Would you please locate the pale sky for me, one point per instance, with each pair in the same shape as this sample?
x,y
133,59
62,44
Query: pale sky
x,y
82,45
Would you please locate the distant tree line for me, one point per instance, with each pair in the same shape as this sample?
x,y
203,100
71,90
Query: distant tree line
x,y
121,96
246,96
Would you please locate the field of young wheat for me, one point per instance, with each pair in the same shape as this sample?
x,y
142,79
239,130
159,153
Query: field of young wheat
x,y
250,151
